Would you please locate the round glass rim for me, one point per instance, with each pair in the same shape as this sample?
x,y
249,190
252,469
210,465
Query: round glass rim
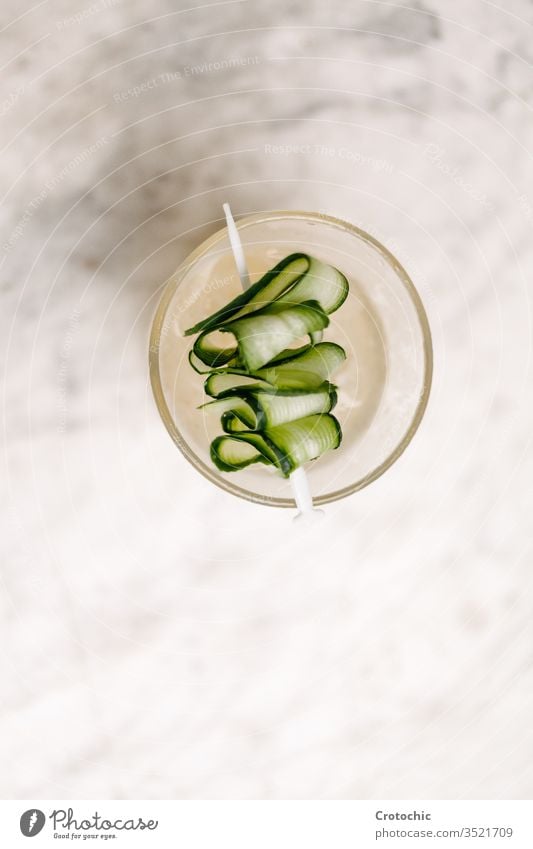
x,y
155,378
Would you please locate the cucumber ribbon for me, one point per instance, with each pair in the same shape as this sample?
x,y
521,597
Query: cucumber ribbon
x,y
274,400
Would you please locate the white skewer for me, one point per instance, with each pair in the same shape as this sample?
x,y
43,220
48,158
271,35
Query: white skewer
x,y
236,247
298,479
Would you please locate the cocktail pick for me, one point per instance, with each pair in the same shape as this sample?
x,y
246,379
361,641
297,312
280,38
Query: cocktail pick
x,y
298,478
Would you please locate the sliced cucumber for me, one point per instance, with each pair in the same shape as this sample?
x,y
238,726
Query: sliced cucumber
x,y
284,407
303,368
261,335
264,335
286,446
306,439
296,279
219,382
231,453
321,360
274,400
321,283
255,409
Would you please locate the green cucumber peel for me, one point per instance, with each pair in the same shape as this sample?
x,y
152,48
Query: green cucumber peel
x,y
274,400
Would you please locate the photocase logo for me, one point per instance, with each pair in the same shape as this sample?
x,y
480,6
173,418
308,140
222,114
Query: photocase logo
x,y
32,822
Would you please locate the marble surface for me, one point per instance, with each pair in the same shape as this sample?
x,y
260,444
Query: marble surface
x,y
160,639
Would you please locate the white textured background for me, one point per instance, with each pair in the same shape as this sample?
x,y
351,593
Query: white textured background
x,y
160,638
